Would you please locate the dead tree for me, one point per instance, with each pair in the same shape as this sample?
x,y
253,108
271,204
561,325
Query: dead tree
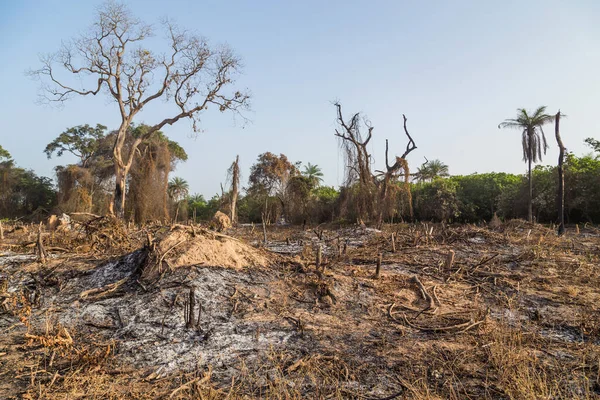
x,y
112,58
357,158
561,177
234,173
392,172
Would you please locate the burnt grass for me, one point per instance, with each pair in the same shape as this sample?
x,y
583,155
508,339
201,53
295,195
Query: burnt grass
x,y
512,314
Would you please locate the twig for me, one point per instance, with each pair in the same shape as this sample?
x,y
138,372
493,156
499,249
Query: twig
x,y
437,301
167,252
103,290
198,381
465,326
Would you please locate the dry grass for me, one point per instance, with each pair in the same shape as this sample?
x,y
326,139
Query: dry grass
x,y
515,316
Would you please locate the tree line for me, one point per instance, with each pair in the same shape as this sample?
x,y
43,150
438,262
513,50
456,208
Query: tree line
x,y
279,189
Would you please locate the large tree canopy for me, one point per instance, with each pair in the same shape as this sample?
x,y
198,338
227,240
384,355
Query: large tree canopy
x,y
82,141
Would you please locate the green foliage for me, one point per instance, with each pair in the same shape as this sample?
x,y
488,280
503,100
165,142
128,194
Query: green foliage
x,y
436,200
23,193
204,210
533,138
178,188
431,170
82,141
479,194
594,144
4,154
313,173
326,194
476,197
324,202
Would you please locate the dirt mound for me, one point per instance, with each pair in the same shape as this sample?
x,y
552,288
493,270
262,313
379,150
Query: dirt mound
x,y
184,246
220,221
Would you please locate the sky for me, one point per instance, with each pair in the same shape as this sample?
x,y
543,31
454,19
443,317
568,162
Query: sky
x,y
455,69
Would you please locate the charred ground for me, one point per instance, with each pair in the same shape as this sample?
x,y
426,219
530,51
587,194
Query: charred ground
x,y
185,312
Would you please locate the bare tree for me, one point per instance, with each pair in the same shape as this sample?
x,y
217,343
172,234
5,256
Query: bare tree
x,y
358,164
392,172
111,58
358,160
234,173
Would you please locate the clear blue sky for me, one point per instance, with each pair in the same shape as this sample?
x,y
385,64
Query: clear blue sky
x,y
455,68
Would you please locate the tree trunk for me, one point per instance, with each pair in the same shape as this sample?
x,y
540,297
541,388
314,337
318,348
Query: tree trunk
x,y
530,202
235,181
561,178
530,181
382,198
176,212
119,197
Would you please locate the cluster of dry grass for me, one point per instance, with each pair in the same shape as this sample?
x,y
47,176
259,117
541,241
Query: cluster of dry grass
x,y
457,312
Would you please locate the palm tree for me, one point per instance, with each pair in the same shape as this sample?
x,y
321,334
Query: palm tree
x,y
437,169
431,170
313,173
533,140
178,190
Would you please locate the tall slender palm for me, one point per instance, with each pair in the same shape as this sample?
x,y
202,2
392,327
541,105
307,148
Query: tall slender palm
x,y
533,140
313,173
178,190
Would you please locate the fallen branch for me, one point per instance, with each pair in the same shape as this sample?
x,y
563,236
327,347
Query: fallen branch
x,y
437,301
426,296
196,381
85,214
103,290
58,249
162,258
463,326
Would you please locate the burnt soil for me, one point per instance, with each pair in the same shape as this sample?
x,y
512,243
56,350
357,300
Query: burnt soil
x,y
183,312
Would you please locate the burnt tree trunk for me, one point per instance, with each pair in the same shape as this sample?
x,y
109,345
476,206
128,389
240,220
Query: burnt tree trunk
x,y
561,177
392,171
235,182
119,198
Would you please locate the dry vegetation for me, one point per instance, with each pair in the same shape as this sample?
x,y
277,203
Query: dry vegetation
x,y
505,311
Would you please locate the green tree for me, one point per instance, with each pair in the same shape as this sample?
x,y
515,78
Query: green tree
x,y
533,140
479,194
431,170
594,144
178,188
436,200
268,179
313,173
82,141
4,154
178,191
